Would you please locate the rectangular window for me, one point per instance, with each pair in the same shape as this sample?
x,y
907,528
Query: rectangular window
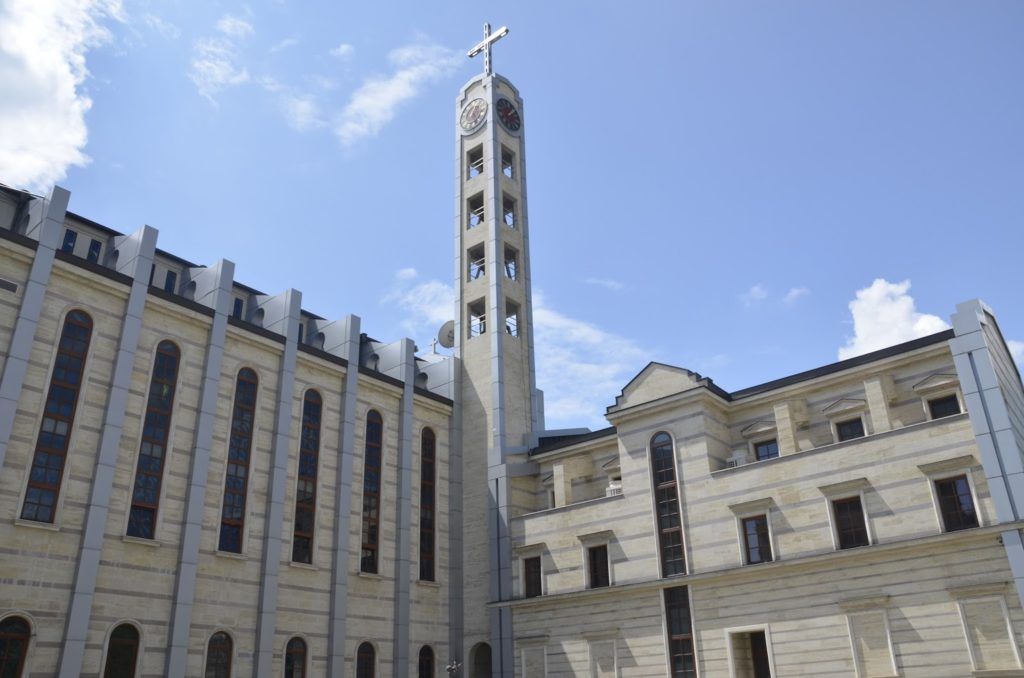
x,y
597,562
237,308
170,282
766,449
305,489
757,540
869,634
70,238
851,529
428,444
946,406
475,162
94,251
956,504
532,577
849,429
475,211
680,633
372,478
508,162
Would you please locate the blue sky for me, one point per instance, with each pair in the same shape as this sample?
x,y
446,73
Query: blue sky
x,y
745,189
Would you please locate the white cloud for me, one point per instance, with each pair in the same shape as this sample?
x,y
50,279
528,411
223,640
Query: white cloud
x,y
216,63
234,27
300,110
283,45
580,366
755,294
795,293
43,45
883,315
1017,351
162,26
607,283
375,103
343,51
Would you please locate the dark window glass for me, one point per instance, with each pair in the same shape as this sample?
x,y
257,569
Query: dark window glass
x,y
295,659
155,429
218,656
15,634
759,655
428,472
58,415
850,429
850,527
365,660
305,494
956,503
532,577
597,557
236,477
756,540
425,666
666,493
70,238
170,282
766,449
680,633
94,251
122,651
237,308
945,406
371,491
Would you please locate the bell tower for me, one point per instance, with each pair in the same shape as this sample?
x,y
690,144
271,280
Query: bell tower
x,y
501,407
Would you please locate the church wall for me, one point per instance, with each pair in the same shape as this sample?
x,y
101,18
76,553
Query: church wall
x,y
16,270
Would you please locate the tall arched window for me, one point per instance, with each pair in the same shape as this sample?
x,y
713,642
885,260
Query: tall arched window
x,y
218,656
58,415
428,473
295,659
122,652
305,494
371,491
149,471
366,658
15,634
666,499
236,479
426,663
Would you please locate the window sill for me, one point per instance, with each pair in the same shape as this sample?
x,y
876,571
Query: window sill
x,y
229,555
303,566
429,584
35,524
152,543
369,575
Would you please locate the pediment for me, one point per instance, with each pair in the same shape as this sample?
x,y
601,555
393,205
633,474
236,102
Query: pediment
x,y
937,382
758,428
655,381
844,405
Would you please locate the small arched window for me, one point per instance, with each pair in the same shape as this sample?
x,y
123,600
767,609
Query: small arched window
x,y
428,453
236,480
218,656
295,659
149,471
371,491
426,663
666,498
122,652
58,416
366,658
15,634
305,494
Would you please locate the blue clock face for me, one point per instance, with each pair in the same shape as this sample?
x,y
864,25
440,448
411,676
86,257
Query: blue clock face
x,y
508,115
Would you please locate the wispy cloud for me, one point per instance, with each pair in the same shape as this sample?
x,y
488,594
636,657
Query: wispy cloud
x,y
378,99
43,48
161,26
283,45
427,303
607,283
884,314
300,109
754,295
795,294
216,62
343,51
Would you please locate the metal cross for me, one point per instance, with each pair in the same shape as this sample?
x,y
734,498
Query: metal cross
x,y
485,45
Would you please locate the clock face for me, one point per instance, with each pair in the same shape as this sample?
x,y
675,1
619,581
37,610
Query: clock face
x,y
508,115
473,114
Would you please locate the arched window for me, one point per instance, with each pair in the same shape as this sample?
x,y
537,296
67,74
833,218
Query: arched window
x,y
366,658
427,474
58,415
305,494
122,652
666,499
480,661
426,663
149,471
371,491
15,633
218,656
295,659
236,479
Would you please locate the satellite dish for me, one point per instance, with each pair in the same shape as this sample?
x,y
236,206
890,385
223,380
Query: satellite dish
x,y
446,335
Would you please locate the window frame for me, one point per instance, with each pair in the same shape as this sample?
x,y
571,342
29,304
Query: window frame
x,y
243,534
666,634
740,630
853,609
761,441
834,520
745,546
299,477
655,486
938,395
96,245
935,479
589,562
231,653
846,418
379,495
433,530
433,661
355,660
26,661
1011,636
106,645
306,659
540,574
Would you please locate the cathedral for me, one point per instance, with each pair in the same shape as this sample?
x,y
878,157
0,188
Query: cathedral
x,y
198,478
